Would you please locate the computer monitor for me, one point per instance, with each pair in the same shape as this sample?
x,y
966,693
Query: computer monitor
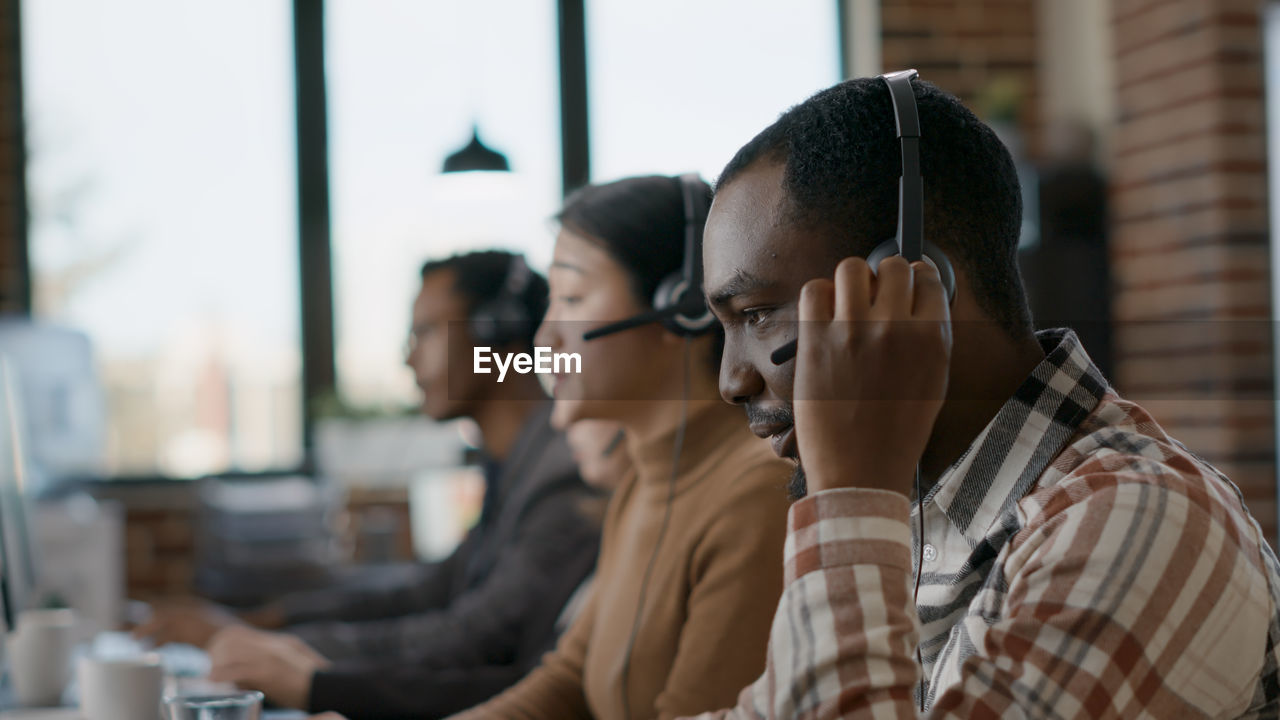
x,y
64,425
8,615
17,564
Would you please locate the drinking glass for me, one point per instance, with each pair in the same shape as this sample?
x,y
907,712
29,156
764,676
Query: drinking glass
x,y
231,706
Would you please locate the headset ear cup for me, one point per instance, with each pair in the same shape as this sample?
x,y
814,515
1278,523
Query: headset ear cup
x,y
499,322
667,294
486,325
889,248
886,249
945,271
690,321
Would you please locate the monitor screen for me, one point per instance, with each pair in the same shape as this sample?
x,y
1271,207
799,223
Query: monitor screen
x,y
63,412
8,621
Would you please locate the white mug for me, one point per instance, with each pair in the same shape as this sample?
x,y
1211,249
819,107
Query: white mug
x,y
120,688
40,656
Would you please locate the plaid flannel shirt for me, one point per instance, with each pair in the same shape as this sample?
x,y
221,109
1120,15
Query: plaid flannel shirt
x,y
1078,562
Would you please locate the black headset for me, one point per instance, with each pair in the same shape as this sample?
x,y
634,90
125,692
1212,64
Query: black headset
x,y
504,318
678,303
681,307
909,241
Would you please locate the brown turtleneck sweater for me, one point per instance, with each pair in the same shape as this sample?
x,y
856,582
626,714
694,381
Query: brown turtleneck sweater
x,y
710,600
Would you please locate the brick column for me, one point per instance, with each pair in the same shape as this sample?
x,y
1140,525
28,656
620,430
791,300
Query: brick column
x,y
1190,244
974,49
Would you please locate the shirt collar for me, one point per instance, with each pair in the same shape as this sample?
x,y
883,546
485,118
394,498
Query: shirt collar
x,y
1029,430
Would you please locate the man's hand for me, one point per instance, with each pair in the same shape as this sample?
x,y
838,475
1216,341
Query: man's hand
x,y
871,373
279,665
190,621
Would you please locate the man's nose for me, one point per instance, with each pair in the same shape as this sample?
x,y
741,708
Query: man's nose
x,y
739,381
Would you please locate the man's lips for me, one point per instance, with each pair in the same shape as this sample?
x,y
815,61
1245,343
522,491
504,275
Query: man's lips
x,y
781,437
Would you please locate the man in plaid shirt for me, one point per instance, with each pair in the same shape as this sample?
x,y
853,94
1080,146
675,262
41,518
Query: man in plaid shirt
x,y
1074,560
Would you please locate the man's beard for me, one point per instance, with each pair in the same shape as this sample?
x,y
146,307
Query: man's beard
x,y
798,487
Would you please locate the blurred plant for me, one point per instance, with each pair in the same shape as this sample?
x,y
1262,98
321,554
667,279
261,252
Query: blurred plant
x,y
52,600
998,101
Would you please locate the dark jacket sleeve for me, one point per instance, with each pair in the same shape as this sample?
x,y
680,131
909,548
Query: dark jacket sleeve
x,y
395,693
483,625
389,692
427,589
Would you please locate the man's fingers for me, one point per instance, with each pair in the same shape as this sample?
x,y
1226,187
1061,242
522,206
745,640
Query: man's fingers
x,y
224,671
230,644
238,667
855,287
894,289
817,301
930,302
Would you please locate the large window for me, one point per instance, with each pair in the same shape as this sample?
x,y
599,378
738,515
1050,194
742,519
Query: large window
x,y
408,83
677,86
161,186
162,180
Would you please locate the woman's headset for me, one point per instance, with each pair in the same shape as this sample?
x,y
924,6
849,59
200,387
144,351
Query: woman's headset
x,y
909,241
678,303
681,307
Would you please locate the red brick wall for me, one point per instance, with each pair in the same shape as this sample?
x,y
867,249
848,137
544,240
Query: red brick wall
x,y
159,552
969,48
1190,244
1190,234
160,533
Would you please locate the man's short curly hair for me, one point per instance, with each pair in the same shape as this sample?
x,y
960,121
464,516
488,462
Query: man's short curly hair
x,y
842,162
480,277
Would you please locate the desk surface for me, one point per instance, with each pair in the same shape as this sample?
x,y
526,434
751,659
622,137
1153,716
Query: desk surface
x,y
114,644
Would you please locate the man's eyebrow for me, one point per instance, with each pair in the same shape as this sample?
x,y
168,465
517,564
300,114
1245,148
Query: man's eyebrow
x,y
741,283
568,266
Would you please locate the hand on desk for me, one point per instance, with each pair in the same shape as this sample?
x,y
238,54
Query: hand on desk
x,y
195,622
277,664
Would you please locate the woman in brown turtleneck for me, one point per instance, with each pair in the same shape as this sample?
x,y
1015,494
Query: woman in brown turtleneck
x,y
690,637
714,572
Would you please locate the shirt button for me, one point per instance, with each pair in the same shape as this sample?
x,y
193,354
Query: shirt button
x,y
930,553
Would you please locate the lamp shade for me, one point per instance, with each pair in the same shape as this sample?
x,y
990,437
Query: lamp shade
x,y
475,155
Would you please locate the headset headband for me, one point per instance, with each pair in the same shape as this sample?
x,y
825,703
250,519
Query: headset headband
x,y
694,209
910,184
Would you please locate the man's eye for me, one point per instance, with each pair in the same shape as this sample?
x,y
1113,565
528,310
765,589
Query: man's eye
x,y
569,299
756,317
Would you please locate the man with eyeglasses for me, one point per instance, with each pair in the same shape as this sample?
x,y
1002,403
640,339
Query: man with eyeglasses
x,y
465,628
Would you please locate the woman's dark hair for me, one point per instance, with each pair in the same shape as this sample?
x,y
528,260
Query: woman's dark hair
x,y
640,222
